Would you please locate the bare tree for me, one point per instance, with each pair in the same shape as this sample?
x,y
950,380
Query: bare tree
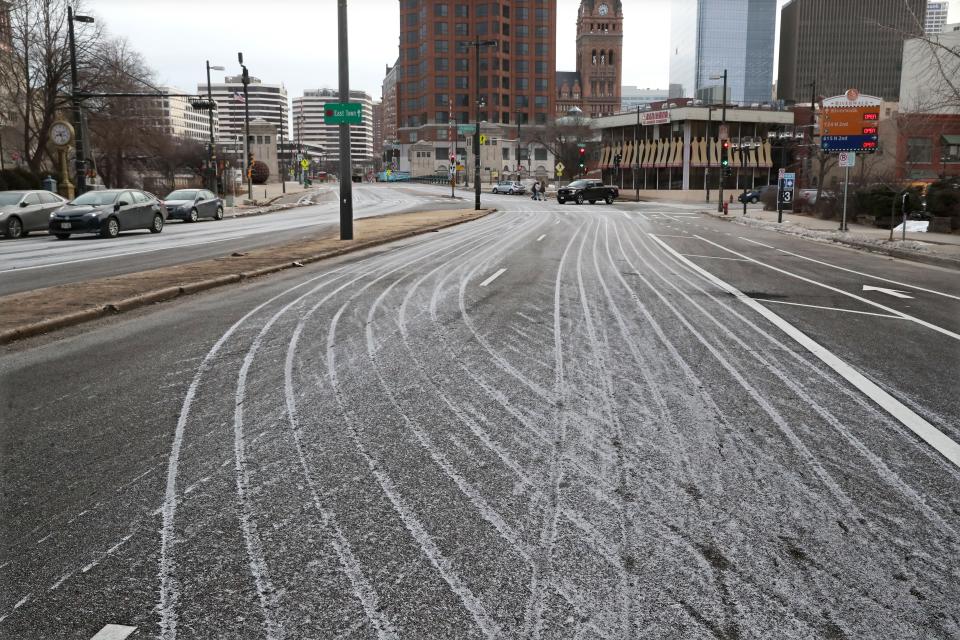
x,y
561,138
37,78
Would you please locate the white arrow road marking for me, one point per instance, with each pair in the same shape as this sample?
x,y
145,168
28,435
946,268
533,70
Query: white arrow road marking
x,y
906,416
889,292
114,632
492,278
541,237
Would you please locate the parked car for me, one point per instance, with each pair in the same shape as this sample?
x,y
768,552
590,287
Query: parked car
x,y
108,213
192,204
809,196
589,190
750,196
510,187
24,211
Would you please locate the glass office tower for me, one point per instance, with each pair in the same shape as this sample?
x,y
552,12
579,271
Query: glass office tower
x,y
708,36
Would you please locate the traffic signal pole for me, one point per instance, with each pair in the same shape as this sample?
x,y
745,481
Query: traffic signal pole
x,y
723,125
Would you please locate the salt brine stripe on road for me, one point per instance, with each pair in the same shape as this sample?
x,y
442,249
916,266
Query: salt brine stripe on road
x,y
905,316
492,278
926,431
859,273
541,237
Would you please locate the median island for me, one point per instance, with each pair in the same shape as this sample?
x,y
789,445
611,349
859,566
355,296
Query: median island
x,y
35,312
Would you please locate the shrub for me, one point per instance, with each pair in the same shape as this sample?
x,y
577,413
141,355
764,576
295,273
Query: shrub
x,y
943,198
259,172
769,199
19,178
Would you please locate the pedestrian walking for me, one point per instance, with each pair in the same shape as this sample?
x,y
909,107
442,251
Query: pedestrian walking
x,y
543,190
536,191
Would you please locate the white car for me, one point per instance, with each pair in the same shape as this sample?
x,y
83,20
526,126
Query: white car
x,y
510,187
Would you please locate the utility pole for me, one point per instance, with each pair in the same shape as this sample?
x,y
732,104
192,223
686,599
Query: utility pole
x,y
283,175
346,177
212,150
80,159
636,158
519,166
476,133
246,117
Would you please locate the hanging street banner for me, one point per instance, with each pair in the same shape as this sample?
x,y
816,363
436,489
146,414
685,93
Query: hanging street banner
x,y
849,123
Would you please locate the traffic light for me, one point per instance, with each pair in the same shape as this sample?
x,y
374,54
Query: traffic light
x,y
453,160
725,154
727,172
582,151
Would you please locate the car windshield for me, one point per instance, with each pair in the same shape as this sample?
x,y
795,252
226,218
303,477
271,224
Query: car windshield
x,y
578,184
96,198
182,194
10,197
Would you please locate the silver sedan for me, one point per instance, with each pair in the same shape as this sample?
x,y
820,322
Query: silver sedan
x,y
24,211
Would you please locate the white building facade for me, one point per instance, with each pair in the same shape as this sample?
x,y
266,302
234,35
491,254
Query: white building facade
x,y
936,16
309,125
267,102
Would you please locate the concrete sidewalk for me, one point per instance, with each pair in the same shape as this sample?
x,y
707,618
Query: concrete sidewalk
x,y
34,312
933,248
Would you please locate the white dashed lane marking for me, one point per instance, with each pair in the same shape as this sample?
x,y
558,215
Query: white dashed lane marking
x,y
492,278
114,632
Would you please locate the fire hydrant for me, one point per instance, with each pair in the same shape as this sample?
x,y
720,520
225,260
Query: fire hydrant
x,y
726,208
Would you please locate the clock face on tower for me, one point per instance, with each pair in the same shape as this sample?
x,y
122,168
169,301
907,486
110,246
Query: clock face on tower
x,y
604,9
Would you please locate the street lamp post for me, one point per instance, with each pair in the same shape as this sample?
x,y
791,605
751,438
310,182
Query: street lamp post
x,y
706,176
723,123
476,44
283,175
80,159
212,150
518,144
246,118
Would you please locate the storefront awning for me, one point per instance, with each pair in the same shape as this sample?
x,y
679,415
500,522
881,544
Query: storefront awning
x,y
951,139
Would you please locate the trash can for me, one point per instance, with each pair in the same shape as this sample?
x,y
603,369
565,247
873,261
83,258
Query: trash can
x,y
49,184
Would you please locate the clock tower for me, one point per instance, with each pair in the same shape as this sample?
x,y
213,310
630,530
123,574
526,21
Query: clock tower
x,y
599,55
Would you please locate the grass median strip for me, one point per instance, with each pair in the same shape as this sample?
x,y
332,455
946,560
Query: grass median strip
x,y
34,312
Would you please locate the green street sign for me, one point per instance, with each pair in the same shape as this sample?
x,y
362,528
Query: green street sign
x,y
343,113
464,129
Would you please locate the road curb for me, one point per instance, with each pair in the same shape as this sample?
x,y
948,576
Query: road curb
x,y
169,293
913,256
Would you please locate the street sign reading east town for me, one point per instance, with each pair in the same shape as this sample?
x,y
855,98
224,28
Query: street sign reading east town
x,y
342,113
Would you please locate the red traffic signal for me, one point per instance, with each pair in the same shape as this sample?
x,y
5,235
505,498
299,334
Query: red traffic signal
x,y
583,150
726,144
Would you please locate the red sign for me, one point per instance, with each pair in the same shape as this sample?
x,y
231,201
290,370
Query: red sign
x,y
867,131
871,116
655,117
869,145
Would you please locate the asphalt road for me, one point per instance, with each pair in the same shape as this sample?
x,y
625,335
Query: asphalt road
x,y
42,261
622,421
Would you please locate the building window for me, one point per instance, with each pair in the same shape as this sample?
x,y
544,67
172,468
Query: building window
x,y
522,84
523,49
920,150
440,10
441,64
522,13
462,64
950,148
540,153
441,46
461,11
441,28
523,66
522,31
460,82
442,82
461,29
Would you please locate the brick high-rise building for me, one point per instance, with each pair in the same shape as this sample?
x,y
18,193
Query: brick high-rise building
x,y
844,45
437,75
388,112
599,49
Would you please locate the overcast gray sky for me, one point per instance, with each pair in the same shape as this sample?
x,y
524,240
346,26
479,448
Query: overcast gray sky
x,y
294,42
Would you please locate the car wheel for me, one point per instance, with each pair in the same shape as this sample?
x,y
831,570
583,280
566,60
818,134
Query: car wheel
x,y
608,199
157,225
14,228
593,202
579,198
62,236
219,214
560,200
110,228
194,215
754,200
495,190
